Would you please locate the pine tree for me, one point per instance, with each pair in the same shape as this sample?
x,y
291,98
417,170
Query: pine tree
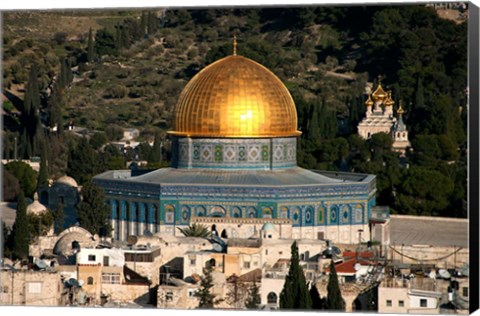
x,y
59,218
204,293
93,213
21,234
295,293
334,295
90,48
253,299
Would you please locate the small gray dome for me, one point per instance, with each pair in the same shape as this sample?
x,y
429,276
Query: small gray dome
x,y
66,180
36,207
268,227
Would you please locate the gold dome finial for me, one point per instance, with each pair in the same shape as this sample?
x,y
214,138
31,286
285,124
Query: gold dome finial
x,y
234,44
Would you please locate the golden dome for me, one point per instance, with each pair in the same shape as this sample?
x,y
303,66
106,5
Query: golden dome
x,y
369,101
389,101
379,94
235,97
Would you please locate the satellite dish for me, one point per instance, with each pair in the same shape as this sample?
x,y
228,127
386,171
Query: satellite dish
x,y
217,247
41,264
72,282
444,274
357,266
132,240
432,274
336,250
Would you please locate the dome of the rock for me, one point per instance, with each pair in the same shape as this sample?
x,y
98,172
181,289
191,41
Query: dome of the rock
x,y
235,97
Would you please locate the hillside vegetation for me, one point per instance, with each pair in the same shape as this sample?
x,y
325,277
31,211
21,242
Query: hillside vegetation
x,y
104,70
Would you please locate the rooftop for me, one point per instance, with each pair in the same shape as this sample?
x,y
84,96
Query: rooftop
x,y
423,230
282,177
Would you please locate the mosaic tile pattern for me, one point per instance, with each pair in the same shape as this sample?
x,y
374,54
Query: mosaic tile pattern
x,y
234,153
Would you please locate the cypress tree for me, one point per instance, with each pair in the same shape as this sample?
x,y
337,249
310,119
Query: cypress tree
x,y
295,293
323,120
21,234
315,296
314,135
43,172
155,155
31,106
143,24
90,48
118,37
334,295
253,299
93,213
204,294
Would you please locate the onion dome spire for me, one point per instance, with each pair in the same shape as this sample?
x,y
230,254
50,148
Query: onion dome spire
x,y
389,101
379,94
400,126
369,101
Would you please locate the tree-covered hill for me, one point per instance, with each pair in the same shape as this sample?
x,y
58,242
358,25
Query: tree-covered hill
x,y
111,69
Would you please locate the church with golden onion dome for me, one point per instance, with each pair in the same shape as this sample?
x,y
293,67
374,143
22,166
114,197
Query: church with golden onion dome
x,y
234,138
379,118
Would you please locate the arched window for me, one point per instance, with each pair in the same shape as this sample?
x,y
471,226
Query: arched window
x,y
267,212
236,212
137,219
252,212
272,298
126,211
309,215
156,217
201,211
90,281
224,234
146,219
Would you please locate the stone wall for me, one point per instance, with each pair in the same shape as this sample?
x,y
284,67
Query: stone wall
x,y
127,292
32,288
442,257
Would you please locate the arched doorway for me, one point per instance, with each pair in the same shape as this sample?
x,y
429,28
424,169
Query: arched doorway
x,y
272,298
